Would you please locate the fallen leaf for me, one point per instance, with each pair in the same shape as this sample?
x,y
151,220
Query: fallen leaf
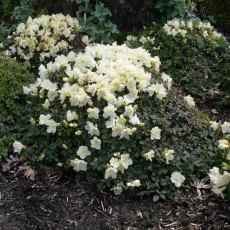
x,y
10,163
30,174
27,171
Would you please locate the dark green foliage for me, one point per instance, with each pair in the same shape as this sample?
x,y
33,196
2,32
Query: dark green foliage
x,y
23,11
13,76
95,21
220,9
175,8
7,7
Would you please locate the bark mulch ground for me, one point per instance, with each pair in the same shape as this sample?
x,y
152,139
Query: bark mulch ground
x,y
63,200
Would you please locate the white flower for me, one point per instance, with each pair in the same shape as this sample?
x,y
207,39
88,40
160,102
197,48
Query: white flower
x,y
46,120
125,133
18,146
118,188
189,101
143,40
92,129
131,38
177,178
214,125
205,33
78,165
109,111
149,155
156,133
223,144
134,183
85,39
218,181
93,113
129,111
134,120
166,78
124,162
96,143
83,152
168,154
159,89
225,127
71,115
43,119
111,172
228,157
46,105
51,126
114,162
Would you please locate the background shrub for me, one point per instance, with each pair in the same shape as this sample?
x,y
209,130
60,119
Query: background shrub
x,y
13,76
196,61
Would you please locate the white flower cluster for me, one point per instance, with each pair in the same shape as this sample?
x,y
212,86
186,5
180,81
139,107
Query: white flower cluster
x,y
219,181
104,72
118,164
46,35
105,82
177,27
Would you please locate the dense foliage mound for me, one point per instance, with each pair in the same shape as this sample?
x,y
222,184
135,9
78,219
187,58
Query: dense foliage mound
x,y
45,37
193,53
110,112
13,76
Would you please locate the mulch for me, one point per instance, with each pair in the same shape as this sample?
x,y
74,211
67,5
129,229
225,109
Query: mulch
x,y
65,200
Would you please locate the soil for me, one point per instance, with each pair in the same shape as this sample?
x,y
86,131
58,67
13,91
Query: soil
x,y
64,200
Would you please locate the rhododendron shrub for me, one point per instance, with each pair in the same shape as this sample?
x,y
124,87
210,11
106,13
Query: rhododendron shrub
x,y
193,53
110,112
45,37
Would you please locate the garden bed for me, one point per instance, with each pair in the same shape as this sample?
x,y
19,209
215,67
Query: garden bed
x,y
58,200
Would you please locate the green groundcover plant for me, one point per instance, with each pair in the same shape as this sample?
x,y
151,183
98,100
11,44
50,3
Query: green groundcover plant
x,y
193,53
13,76
111,113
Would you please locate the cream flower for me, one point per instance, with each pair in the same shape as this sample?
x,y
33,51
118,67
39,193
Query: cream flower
x,y
225,127
109,111
118,188
223,144
93,113
18,146
156,133
78,165
134,183
166,78
189,101
83,152
214,125
149,155
96,143
218,181
92,129
70,116
177,178
111,172
125,162
168,154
